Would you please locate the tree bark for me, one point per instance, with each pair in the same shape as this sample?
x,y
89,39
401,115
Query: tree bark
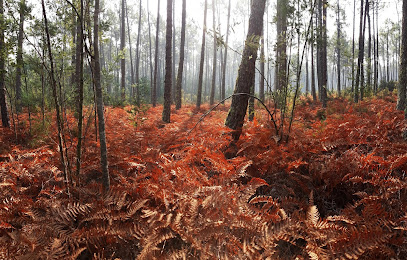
x,y
149,48
178,93
353,46
131,54
369,49
223,87
361,52
212,97
313,90
201,66
281,49
123,60
79,86
168,65
138,58
99,102
3,104
401,101
262,70
237,112
173,79
323,54
154,90
56,101
19,57
338,49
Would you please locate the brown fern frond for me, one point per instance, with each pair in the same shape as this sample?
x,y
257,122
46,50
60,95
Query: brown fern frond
x,y
313,215
134,207
151,243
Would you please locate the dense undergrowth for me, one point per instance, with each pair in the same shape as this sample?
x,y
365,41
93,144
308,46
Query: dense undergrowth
x,y
337,190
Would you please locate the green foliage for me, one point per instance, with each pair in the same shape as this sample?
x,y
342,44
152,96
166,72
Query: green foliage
x,y
41,131
389,85
138,114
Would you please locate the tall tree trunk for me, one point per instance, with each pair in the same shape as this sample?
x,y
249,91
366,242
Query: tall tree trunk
x,y
361,52
338,49
281,49
178,93
251,100
323,54
307,74
56,101
401,100
387,57
79,85
131,54
353,46
237,112
201,66
99,102
173,80
123,59
369,49
3,104
73,57
374,49
138,57
168,65
262,70
149,48
223,86
156,71
212,97
313,90
19,61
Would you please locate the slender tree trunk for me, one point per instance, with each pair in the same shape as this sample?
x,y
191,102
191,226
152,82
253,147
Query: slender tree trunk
x,y
318,23
323,55
201,66
156,71
353,46
123,59
374,50
56,101
73,61
387,57
79,86
237,112
262,70
212,97
99,102
150,51
20,63
361,52
138,57
131,55
251,100
3,104
178,93
307,73
173,79
168,65
313,90
369,49
401,101
223,87
281,53
338,50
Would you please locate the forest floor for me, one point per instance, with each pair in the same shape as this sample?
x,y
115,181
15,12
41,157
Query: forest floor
x,y
336,190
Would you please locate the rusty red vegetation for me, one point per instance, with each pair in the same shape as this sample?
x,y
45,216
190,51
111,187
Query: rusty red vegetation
x,y
337,189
